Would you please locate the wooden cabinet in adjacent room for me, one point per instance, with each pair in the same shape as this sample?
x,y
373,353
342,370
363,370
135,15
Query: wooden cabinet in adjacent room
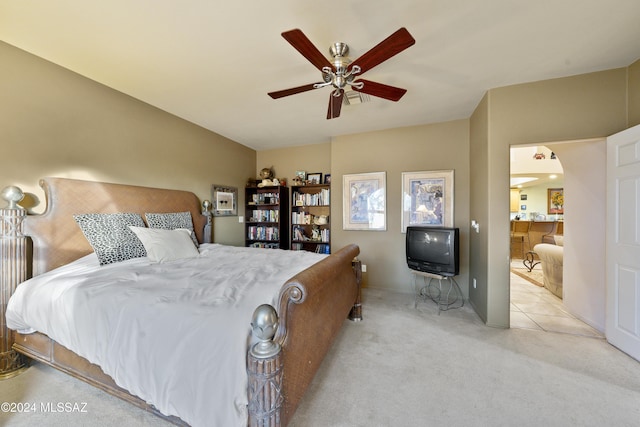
x,y
514,200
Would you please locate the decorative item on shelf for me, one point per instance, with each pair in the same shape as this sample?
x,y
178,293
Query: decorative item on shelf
x,y
315,233
266,173
321,220
539,156
314,178
297,181
267,183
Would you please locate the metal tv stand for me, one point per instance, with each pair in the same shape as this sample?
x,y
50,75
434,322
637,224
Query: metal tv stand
x,y
445,292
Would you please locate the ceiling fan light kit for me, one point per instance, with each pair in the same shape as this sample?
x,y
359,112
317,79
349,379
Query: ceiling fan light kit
x,y
352,97
341,72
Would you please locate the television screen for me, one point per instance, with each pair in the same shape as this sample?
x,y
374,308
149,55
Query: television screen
x,y
433,250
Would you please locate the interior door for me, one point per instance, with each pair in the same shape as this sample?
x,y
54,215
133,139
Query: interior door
x,y
623,241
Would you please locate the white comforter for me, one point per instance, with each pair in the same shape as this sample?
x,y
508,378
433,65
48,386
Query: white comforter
x,y
174,334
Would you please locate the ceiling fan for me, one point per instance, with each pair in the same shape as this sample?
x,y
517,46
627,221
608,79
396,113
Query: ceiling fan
x,y
343,72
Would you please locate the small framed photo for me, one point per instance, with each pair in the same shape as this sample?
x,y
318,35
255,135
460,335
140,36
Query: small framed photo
x,y
327,178
523,197
302,175
314,178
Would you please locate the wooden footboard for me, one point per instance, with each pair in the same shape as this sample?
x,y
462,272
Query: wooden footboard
x,y
313,306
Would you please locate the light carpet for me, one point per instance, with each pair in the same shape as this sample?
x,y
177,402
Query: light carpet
x,y
402,366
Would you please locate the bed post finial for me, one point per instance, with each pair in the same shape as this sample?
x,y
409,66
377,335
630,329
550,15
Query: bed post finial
x,y
264,368
264,326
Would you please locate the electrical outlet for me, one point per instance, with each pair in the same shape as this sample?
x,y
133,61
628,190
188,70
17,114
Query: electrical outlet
x,y
364,268
240,219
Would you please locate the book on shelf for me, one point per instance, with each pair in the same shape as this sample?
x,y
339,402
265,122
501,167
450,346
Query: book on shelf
x,y
322,249
265,215
312,199
301,217
264,199
262,233
265,245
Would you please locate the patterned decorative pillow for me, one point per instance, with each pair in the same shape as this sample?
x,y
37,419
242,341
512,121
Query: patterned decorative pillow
x,y
110,237
171,221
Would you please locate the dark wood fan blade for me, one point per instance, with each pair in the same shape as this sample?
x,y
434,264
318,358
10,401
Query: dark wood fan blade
x,y
380,90
391,46
302,44
335,105
292,91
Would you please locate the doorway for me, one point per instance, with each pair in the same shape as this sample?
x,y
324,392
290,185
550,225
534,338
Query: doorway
x,y
583,167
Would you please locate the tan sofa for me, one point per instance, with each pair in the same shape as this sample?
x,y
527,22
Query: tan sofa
x,y
551,258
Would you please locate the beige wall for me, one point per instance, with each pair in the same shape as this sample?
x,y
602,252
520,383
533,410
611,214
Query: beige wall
x,y
420,148
479,207
634,94
580,107
285,162
54,122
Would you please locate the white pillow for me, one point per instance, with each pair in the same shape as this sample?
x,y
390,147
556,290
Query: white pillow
x,y
166,245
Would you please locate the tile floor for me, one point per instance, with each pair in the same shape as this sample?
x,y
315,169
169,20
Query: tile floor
x,y
533,307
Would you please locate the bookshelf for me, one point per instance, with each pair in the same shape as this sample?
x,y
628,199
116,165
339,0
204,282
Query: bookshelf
x,y
267,217
310,218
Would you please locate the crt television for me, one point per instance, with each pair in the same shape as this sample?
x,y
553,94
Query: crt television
x,y
433,250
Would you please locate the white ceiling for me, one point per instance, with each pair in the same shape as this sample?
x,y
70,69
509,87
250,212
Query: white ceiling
x,y
213,62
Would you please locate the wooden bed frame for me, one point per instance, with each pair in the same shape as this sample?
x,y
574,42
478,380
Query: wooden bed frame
x,y
312,305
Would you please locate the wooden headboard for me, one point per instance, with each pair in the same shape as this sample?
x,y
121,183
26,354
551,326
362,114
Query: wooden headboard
x,y
57,239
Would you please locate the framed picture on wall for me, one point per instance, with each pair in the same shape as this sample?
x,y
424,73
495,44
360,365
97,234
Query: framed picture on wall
x,y
555,200
364,205
224,200
427,199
